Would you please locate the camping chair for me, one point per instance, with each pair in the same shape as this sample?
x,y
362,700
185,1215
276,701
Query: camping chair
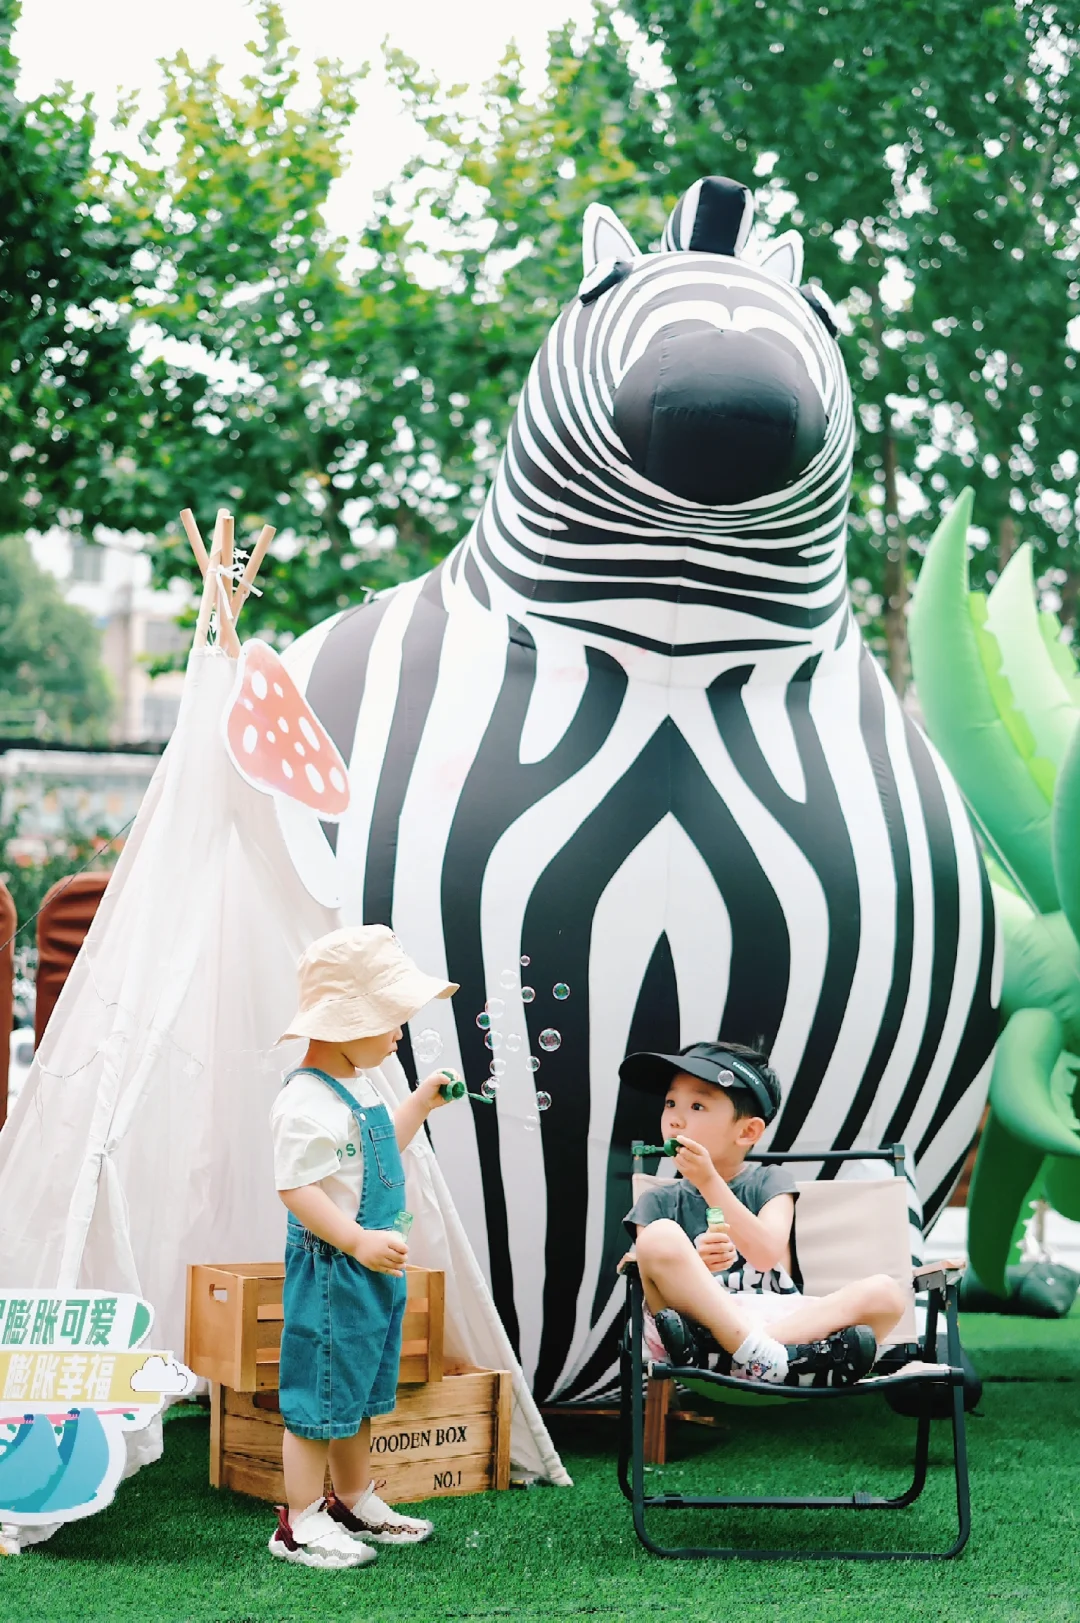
x,y
844,1229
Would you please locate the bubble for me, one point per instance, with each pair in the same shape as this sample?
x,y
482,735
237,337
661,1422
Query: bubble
x,y
531,1123
508,981
427,1046
543,1101
524,960
483,1020
492,1040
495,1007
527,994
497,1067
550,1040
533,1063
560,990
513,1043
489,1087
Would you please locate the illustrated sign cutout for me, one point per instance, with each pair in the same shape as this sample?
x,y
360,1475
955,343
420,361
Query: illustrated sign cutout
x,y
74,1377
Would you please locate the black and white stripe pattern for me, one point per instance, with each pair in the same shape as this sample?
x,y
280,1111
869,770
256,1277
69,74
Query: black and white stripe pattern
x,y
640,740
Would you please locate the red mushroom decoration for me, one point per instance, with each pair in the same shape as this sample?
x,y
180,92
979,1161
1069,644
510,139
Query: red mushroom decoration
x,y
275,740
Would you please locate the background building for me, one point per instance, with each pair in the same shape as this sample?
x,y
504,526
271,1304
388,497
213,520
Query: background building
x,y
138,626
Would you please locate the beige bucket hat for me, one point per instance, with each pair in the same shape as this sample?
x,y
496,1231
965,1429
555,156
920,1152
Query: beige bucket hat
x,y
359,983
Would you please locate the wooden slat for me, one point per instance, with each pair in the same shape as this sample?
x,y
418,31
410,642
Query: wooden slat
x,y
474,1393
501,1450
269,1341
216,1427
436,1284
390,1446
405,1483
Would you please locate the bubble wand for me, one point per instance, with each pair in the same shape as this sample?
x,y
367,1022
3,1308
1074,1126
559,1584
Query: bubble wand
x,y
454,1088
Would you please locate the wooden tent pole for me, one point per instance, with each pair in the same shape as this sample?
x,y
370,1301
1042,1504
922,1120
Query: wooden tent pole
x,y
209,594
191,530
258,553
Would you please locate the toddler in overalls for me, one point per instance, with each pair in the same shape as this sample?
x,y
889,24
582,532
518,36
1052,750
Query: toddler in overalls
x,y
337,1167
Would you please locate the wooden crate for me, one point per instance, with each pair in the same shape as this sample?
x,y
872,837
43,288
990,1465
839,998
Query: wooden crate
x,y
234,1316
449,1437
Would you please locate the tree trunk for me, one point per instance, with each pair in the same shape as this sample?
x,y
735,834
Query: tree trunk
x,y
1006,540
896,583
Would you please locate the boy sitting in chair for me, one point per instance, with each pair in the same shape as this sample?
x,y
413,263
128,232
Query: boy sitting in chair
x,y
736,1283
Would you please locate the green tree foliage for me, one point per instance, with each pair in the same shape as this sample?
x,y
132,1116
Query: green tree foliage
x,y
291,376
64,365
52,682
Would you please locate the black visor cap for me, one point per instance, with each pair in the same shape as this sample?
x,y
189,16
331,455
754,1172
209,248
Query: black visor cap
x,y
651,1073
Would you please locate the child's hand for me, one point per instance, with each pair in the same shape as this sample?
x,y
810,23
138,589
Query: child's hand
x,y
695,1163
430,1090
381,1250
717,1250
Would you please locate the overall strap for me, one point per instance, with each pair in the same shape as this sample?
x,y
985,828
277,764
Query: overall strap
x,y
338,1087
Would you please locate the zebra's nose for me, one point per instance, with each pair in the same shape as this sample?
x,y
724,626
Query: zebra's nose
x,y
718,416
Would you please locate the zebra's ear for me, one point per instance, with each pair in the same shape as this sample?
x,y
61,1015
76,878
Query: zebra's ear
x,y
603,236
783,258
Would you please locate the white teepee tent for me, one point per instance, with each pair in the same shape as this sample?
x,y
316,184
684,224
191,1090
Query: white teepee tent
x,y
140,1140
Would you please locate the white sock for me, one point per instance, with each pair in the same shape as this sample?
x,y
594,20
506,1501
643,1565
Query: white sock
x,y
760,1358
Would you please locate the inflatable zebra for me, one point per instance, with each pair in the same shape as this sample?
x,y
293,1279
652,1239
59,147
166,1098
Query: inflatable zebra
x,y
627,741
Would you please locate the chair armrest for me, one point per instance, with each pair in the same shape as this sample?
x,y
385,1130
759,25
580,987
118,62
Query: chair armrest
x,y
627,1266
938,1276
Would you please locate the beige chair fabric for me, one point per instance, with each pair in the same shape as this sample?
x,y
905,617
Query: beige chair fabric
x,y
845,1230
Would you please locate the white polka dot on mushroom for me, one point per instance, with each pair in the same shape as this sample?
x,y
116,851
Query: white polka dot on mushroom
x,y
336,779
251,738
314,778
299,748
283,725
309,732
271,738
279,690
247,704
287,769
258,684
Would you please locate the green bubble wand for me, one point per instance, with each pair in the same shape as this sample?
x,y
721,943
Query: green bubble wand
x,y
454,1088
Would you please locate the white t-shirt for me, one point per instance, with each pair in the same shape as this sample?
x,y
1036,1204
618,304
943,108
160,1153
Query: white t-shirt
x,y
316,1138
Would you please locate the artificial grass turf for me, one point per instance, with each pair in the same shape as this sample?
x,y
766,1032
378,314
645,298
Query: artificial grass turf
x,y
173,1549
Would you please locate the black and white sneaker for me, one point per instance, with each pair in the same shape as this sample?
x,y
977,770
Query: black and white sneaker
x,y
840,1360
685,1342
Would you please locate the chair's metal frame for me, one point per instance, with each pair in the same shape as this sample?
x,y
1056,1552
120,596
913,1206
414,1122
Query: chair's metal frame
x,y
942,1287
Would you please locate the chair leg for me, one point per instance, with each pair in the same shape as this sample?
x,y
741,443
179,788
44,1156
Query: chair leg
x,y
657,1403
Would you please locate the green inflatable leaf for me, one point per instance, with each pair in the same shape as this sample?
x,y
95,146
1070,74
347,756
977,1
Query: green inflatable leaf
x,y
1032,1086
1060,654
1062,1186
1005,1170
1065,829
957,692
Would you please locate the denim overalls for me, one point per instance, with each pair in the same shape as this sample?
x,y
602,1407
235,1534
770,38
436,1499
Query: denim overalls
x,y
341,1341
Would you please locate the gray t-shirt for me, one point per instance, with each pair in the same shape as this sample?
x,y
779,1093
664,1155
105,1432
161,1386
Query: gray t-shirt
x,y
677,1199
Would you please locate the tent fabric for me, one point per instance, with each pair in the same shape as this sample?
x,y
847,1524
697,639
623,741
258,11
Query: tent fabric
x,y
139,1142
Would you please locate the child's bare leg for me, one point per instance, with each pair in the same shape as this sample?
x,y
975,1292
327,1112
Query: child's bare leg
x,y
350,1465
877,1301
304,1463
673,1275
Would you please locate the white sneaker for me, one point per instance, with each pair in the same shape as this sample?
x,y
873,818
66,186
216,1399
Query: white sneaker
x,y
316,1540
373,1520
